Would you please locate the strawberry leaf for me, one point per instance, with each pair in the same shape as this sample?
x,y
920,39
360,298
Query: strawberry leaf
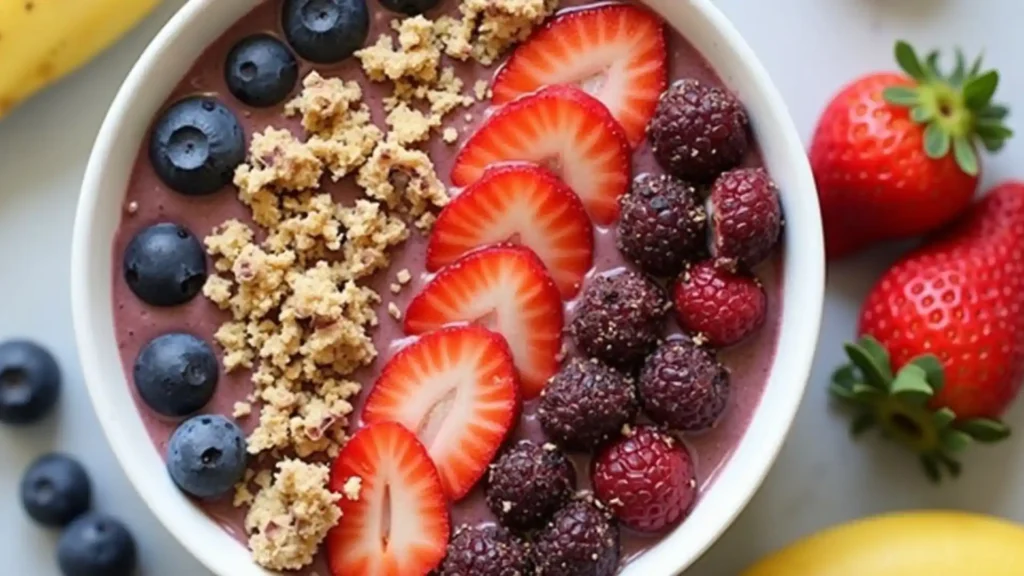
x,y
965,156
873,372
931,468
985,430
954,441
980,89
936,141
951,465
901,96
943,417
907,59
911,385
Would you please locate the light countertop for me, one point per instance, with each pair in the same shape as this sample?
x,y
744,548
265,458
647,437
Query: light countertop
x,y
810,47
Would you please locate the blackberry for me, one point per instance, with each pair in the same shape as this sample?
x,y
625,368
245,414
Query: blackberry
x,y
580,540
485,551
619,319
528,483
662,225
683,386
698,131
586,403
746,217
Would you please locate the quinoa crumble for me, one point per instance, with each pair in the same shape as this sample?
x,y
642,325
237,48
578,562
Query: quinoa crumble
x,y
292,515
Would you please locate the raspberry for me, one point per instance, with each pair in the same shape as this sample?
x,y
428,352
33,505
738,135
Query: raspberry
x,y
619,319
662,225
746,217
647,479
528,483
486,551
586,403
698,131
682,386
580,540
723,306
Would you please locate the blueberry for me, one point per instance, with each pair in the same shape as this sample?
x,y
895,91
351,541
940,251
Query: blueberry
x,y
206,456
55,490
261,71
325,31
410,7
196,145
176,374
29,382
96,545
164,265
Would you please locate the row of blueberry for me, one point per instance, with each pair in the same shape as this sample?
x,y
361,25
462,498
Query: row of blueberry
x,y
55,490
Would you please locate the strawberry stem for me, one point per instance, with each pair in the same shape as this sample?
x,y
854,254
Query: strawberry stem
x,y
899,404
956,109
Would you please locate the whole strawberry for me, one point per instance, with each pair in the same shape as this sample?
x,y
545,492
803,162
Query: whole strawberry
x,y
941,354
895,155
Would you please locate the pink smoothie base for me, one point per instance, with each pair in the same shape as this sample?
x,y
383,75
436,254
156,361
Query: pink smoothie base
x,y
137,323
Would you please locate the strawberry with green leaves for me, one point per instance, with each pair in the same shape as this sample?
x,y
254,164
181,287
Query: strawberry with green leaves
x,y
896,155
941,352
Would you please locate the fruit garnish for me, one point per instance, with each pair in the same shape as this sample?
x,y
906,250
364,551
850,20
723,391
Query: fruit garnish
x,y
457,389
164,265
55,490
580,539
902,148
31,382
941,354
176,374
260,71
521,204
486,549
615,52
399,525
528,483
563,129
647,479
325,31
746,218
507,290
698,131
97,543
724,307
956,110
683,386
619,319
195,146
206,456
586,403
662,225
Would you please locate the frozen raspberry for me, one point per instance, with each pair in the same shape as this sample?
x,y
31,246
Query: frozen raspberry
x,y
581,540
725,307
586,403
682,386
619,319
528,483
746,217
646,479
486,551
662,225
698,131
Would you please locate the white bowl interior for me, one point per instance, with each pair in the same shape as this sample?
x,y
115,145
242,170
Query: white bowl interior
x,y
169,57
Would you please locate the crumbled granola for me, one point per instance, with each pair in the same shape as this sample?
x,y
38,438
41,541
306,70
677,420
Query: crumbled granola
x,y
404,179
450,135
290,517
394,311
408,125
487,28
403,276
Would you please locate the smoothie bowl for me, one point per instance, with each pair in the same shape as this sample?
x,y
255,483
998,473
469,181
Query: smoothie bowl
x,y
453,287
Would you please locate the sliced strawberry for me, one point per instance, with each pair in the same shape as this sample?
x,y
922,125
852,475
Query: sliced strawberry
x,y
507,290
564,129
399,526
520,204
457,389
616,52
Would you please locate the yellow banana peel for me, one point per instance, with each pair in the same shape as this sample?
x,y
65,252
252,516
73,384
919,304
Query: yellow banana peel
x,y
924,543
42,41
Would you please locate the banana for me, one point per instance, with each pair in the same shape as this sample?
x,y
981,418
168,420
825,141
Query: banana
x,y
42,41
931,543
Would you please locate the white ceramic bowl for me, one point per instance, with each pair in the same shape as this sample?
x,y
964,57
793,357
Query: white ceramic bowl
x,y
167,59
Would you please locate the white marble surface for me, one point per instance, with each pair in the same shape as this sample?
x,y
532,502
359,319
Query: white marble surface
x,y
809,46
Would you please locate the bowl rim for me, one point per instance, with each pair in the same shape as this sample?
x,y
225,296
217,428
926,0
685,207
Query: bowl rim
x,y
732,489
